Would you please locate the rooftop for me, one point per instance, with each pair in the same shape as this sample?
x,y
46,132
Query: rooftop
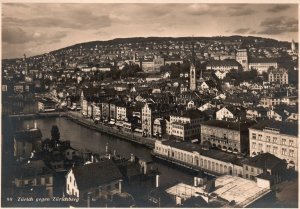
x,y
96,174
241,190
284,127
223,124
264,160
28,135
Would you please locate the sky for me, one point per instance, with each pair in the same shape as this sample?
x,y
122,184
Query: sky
x,y
37,28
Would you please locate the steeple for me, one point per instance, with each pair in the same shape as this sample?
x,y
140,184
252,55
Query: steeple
x,y
193,52
193,81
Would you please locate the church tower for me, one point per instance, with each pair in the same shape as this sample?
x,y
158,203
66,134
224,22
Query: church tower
x,y
293,46
193,78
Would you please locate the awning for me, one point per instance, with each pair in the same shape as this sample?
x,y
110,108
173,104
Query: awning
x,y
138,130
119,124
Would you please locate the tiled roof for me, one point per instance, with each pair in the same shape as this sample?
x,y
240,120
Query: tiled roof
x,y
96,174
284,127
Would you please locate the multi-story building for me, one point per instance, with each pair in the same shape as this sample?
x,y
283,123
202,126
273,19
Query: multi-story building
x,y
147,118
192,155
263,165
223,65
123,111
242,58
150,111
27,141
35,179
231,113
105,111
159,127
102,179
186,125
277,138
228,136
280,76
262,64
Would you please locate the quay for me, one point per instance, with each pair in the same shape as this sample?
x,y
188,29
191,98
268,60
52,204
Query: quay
x,y
39,115
129,136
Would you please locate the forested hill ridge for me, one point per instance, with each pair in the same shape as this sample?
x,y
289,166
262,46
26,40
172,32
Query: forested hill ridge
x,y
163,43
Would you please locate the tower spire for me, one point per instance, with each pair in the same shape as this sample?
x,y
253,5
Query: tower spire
x,y
193,51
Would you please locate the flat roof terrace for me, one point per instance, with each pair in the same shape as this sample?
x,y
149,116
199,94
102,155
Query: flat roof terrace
x,y
227,189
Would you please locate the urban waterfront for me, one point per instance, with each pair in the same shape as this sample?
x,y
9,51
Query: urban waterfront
x,y
103,107
85,138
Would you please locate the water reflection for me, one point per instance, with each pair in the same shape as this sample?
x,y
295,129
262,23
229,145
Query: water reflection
x,y
84,138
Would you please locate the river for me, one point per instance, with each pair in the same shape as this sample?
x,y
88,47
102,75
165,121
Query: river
x,y
84,138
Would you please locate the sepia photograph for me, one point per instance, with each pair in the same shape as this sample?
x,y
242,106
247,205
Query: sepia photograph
x,y
149,104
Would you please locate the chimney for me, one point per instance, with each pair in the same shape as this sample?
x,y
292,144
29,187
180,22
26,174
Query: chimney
x,y
195,181
131,158
89,199
106,148
157,181
92,158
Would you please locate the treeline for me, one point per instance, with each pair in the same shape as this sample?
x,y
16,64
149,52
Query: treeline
x,y
129,70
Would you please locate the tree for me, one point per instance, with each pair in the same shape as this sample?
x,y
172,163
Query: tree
x,y
55,135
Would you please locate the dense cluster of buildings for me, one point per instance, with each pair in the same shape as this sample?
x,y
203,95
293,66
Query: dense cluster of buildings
x,y
202,119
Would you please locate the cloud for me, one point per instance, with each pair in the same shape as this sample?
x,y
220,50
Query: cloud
x,y
240,10
77,21
220,10
279,25
279,8
14,35
17,35
241,30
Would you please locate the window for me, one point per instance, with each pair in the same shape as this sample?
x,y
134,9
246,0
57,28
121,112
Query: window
x,y
275,150
259,136
252,169
283,141
268,148
291,153
260,146
253,145
268,138
70,178
283,151
274,139
246,169
291,143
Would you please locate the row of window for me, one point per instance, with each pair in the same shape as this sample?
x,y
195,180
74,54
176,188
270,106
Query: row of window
x,y
274,139
274,150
